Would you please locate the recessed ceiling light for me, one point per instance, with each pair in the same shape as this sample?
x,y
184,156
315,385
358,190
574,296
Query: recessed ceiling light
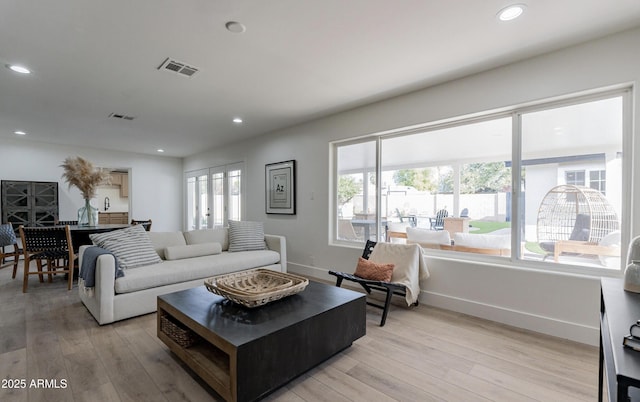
x,y
19,132
235,27
237,120
511,12
160,150
18,69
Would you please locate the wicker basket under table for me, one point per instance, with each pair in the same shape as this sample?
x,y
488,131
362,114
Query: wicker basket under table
x,y
180,335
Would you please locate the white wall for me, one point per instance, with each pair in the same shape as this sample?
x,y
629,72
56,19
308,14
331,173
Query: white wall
x,y
156,182
559,304
116,203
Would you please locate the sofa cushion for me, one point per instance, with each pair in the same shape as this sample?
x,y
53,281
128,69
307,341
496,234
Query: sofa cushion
x,y
162,240
482,240
418,235
176,271
131,246
246,236
192,250
218,235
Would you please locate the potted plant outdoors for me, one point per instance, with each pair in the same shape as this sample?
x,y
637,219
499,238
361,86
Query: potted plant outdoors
x,y
80,173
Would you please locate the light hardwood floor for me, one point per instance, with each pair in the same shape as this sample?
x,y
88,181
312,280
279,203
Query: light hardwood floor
x,y
421,354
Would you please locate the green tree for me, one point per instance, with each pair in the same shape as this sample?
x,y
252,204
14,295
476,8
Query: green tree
x,y
420,179
347,189
490,177
445,181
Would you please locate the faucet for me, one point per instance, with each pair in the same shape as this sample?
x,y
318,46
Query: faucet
x,y
106,203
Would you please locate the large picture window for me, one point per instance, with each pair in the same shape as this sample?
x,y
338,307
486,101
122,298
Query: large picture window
x,y
356,200
453,186
566,219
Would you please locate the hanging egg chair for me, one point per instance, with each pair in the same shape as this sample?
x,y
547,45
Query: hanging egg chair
x,y
578,213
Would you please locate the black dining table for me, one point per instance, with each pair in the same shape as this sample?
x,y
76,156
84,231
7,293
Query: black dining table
x,y
80,233
369,224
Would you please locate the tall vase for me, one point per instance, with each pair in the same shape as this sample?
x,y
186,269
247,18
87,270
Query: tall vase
x,y
632,277
88,215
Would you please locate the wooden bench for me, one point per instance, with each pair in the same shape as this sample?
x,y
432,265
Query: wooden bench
x,y
583,247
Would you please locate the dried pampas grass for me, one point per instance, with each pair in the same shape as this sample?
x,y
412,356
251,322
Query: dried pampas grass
x,y
80,172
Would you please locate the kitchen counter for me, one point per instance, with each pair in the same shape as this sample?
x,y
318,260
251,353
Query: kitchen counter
x,y
107,217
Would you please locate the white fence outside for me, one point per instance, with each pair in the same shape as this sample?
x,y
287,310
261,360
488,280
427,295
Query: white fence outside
x,y
489,207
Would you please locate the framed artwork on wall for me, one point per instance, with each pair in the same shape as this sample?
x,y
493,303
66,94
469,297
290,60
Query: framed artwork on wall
x,y
280,187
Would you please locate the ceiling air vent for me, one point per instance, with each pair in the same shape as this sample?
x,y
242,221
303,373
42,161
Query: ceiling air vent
x,y
121,116
177,67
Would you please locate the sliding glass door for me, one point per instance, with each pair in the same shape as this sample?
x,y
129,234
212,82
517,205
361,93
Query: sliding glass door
x,y
214,196
197,200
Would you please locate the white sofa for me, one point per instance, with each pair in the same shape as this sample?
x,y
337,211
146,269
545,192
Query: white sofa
x,y
136,292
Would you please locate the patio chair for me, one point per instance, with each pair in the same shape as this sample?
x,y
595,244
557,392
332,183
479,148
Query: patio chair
x,y
580,233
411,219
346,231
437,222
396,230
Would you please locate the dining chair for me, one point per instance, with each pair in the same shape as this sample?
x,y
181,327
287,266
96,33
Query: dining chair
x,y
8,239
146,224
63,223
346,231
49,247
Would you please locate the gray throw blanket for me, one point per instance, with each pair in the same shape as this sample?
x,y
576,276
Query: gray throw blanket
x,y
88,268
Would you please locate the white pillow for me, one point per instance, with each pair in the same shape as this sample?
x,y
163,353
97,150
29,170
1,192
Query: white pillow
x,y
246,236
131,246
218,235
192,250
162,240
417,235
482,240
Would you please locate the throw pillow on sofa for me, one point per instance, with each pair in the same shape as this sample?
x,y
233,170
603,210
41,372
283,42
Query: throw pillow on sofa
x,y
217,235
131,246
246,236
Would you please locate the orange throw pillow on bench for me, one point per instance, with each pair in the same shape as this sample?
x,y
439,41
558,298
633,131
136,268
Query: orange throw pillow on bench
x,y
373,271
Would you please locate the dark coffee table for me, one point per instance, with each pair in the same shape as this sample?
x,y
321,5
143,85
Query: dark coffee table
x,y
244,354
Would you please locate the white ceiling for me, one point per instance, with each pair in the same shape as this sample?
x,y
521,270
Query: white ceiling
x,y
298,60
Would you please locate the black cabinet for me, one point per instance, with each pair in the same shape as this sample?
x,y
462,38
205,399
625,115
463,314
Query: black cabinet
x,y
618,310
29,203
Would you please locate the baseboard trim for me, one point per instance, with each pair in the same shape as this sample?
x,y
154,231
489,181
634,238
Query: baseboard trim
x,y
306,270
521,319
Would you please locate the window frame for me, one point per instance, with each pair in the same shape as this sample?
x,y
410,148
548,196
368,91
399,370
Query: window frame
x,y
226,196
516,113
